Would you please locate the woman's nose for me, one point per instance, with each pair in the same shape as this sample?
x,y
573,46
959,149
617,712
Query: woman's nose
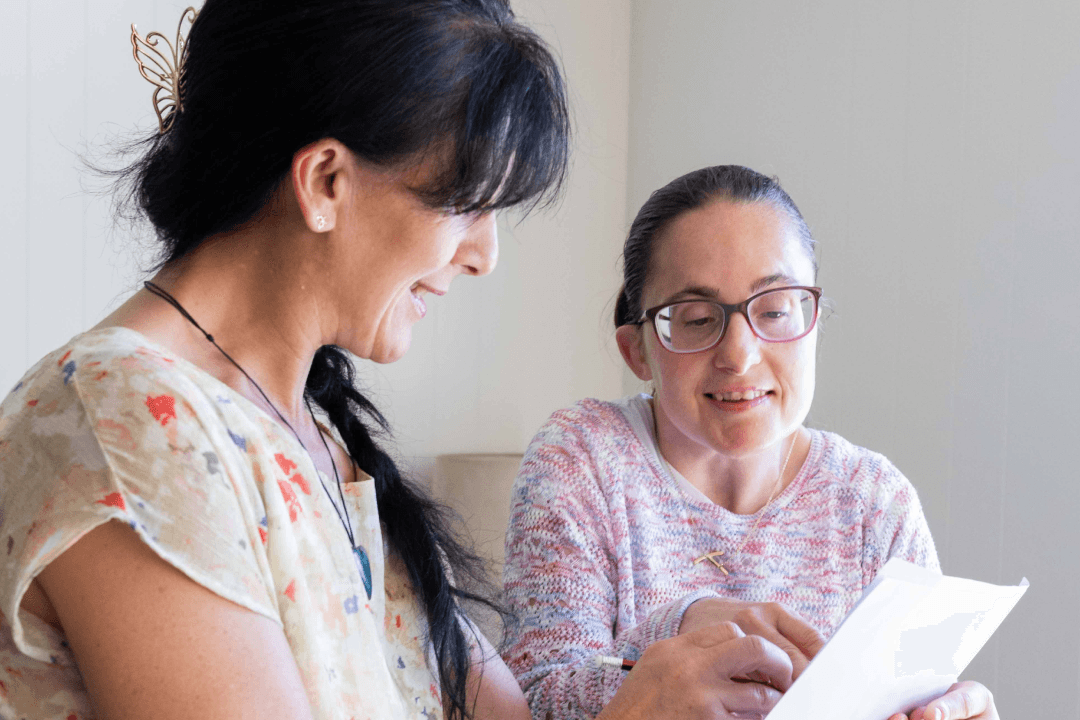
x,y
739,349
479,251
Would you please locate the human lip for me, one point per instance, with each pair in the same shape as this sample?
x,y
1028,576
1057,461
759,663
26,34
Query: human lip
x,y
415,293
421,287
738,399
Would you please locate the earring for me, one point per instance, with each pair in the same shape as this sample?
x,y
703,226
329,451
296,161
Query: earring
x,y
320,223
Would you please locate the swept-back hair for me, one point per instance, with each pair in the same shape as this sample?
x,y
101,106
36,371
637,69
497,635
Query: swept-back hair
x,y
681,195
393,80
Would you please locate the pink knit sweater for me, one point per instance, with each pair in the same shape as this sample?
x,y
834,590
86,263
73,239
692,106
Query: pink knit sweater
x,y
602,538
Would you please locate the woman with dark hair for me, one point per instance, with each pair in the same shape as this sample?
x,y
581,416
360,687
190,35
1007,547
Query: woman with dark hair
x,y
707,501
199,522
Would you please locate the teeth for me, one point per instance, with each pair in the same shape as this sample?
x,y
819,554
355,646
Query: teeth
x,y
737,396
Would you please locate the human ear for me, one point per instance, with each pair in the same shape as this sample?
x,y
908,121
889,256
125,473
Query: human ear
x,y
631,342
318,175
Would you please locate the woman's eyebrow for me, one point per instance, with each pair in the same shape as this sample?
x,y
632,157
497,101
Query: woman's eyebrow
x,y
771,279
712,293
699,290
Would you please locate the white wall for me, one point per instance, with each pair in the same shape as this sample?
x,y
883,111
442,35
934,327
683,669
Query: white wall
x,y
934,148
67,78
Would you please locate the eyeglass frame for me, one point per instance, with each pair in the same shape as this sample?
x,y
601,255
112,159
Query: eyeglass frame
x,y
729,310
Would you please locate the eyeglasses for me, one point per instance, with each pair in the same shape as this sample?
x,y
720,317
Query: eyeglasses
x,y
776,315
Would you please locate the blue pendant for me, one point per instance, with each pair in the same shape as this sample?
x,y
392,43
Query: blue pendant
x,y
364,566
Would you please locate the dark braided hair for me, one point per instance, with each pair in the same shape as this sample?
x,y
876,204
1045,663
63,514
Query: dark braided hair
x,y
391,80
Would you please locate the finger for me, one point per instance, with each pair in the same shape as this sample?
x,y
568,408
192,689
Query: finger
x,y
803,635
753,625
745,656
713,635
963,700
751,700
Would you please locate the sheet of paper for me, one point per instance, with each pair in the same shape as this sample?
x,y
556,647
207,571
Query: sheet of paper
x,y
905,643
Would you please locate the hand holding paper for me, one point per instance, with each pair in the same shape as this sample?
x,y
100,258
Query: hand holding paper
x,y
904,644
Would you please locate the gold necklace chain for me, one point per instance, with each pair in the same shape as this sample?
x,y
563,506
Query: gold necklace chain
x,y
714,556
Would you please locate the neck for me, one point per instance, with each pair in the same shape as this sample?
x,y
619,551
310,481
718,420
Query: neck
x,y
259,307
742,483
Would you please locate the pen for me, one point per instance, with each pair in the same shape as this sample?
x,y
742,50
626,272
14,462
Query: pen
x,y
609,661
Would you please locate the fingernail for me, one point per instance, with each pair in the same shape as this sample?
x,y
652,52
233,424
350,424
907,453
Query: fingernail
x,y
936,714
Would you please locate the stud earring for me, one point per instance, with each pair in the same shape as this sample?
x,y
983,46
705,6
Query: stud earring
x,y
320,223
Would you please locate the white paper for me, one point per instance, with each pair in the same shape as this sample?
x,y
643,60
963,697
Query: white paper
x,y
905,643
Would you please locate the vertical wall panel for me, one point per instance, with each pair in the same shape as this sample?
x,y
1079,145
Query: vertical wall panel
x,y
55,278
15,89
118,105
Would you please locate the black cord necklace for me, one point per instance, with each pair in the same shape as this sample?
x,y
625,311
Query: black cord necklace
x,y
364,565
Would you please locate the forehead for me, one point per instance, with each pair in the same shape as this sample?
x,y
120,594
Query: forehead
x,y
728,247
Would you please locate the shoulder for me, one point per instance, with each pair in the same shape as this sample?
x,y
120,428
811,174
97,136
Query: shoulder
x,y
51,405
597,430
586,418
873,478
589,445
99,367
119,366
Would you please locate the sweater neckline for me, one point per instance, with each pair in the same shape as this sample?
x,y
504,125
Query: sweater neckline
x,y
637,411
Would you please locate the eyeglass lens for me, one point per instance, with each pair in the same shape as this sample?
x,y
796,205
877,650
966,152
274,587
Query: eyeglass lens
x,y
778,315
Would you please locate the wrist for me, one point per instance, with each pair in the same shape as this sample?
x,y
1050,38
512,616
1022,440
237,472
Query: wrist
x,y
673,625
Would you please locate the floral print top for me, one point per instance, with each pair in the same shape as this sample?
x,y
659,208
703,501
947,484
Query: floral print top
x,y
112,426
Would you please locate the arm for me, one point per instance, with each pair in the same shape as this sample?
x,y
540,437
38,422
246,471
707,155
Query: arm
x,y
150,642
492,690
894,524
562,581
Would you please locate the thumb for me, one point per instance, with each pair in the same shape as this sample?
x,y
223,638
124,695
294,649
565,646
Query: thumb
x,y
963,700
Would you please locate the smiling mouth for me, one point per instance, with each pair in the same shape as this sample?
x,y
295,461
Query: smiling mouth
x,y
737,396
418,302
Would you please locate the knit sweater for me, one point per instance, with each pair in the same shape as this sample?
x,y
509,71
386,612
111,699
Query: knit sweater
x,y
603,535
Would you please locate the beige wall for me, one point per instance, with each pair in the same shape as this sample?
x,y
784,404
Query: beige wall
x,y
934,148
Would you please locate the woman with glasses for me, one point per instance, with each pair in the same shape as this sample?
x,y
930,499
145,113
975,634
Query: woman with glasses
x,y
707,502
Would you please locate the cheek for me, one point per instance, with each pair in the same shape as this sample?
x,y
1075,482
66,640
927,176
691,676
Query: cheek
x,y
799,377
680,376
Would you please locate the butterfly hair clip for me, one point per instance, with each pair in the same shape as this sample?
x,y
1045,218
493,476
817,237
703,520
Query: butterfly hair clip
x,y
163,67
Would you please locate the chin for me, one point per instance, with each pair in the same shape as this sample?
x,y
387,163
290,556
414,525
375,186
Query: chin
x,y
392,351
747,439
384,357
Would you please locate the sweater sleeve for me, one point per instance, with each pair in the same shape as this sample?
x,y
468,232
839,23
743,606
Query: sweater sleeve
x,y
895,525
562,576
